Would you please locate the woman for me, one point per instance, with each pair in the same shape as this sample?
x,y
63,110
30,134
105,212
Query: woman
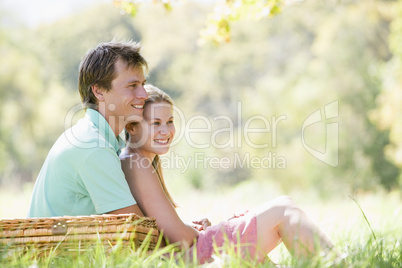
x,y
275,221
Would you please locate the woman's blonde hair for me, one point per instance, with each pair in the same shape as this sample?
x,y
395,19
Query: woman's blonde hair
x,y
156,95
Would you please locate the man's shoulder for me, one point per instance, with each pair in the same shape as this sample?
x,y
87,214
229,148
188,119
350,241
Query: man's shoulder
x,y
83,135
82,139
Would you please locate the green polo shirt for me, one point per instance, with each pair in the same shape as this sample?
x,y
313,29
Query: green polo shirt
x,y
82,173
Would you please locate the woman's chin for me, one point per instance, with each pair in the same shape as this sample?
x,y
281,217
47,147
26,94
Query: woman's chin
x,y
161,151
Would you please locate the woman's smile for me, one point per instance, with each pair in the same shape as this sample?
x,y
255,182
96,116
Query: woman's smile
x,y
162,141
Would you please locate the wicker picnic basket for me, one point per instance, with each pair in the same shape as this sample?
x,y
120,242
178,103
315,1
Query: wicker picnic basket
x,y
71,232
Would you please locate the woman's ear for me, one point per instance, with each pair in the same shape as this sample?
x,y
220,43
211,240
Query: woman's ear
x,y
131,128
98,92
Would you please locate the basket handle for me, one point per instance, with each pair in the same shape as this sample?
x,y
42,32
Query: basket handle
x,y
59,228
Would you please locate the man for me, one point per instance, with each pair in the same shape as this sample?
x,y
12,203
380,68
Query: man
x,y
82,173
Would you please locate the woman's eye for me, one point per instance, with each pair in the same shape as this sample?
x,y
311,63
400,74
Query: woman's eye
x,y
156,123
170,122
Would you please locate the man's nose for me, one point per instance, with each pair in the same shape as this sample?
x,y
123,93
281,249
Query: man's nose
x,y
142,94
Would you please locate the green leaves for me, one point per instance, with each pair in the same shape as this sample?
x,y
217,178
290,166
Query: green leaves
x,y
127,7
218,30
131,7
218,24
387,114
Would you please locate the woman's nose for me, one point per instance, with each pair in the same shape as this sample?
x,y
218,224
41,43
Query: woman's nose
x,y
164,130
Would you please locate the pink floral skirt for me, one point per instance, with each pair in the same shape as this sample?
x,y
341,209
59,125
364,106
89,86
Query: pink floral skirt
x,y
239,232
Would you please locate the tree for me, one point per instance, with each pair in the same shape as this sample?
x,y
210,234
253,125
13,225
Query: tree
x,y
291,65
306,56
388,113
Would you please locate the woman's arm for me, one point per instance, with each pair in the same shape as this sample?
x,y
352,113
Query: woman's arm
x,y
147,191
131,209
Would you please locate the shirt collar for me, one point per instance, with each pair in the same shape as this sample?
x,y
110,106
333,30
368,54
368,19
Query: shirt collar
x,y
105,130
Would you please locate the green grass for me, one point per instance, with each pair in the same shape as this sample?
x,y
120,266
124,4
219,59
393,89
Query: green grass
x,y
365,228
386,251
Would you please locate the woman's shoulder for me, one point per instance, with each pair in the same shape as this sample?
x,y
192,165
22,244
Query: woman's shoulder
x,y
134,163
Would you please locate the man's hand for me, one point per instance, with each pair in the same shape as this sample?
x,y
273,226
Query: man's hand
x,y
202,224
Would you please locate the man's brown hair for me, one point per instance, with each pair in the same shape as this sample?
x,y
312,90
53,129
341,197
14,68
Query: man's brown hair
x,y
98,67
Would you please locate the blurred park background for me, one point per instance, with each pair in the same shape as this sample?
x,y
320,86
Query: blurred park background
x,y
284,67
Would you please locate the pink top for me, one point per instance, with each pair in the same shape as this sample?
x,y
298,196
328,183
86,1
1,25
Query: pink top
x,y
240,226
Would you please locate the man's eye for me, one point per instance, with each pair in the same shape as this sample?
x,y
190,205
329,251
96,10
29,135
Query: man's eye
x,y
156,123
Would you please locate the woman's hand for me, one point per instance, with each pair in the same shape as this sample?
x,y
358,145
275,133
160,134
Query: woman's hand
x,y
201,225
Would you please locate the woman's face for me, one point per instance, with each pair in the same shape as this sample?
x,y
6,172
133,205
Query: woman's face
x,y
155,133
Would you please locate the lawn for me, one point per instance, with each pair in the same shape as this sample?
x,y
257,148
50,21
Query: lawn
x,y
366,228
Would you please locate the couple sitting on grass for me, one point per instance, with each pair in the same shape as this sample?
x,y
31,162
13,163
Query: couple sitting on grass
x,y
83,174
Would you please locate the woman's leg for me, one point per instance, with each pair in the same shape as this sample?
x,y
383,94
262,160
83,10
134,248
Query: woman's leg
x,y
281,220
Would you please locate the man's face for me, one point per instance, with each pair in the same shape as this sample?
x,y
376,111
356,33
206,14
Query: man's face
x,y
125,100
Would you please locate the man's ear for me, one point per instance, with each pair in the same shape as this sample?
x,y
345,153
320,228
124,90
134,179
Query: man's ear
x,y
98,92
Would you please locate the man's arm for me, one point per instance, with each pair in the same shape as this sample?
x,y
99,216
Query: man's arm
x,y
105,182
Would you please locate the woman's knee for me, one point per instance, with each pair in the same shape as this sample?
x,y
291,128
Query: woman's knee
x,y
289,211
276,209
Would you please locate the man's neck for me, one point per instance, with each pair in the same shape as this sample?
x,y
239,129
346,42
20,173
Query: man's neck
x,y
110,119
